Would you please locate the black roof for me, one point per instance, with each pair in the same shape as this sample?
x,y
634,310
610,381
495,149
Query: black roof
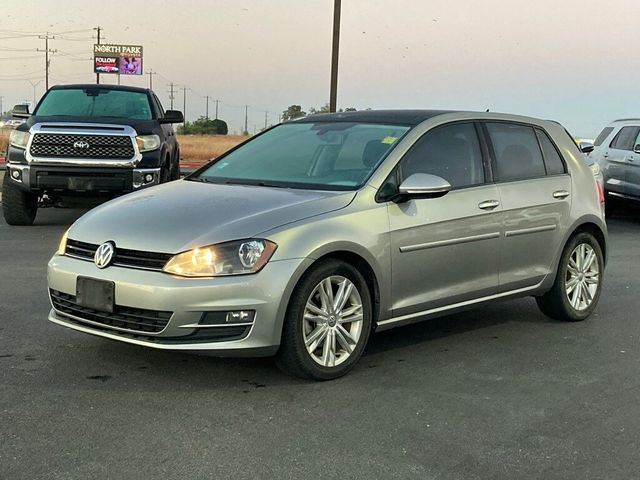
x,y
392,117
103,86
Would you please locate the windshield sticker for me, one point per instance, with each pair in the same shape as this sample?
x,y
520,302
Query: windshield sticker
x,y
389,140
221,165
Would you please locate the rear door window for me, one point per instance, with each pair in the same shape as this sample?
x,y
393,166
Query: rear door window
x,y
603,136
517,152
625,138
552,159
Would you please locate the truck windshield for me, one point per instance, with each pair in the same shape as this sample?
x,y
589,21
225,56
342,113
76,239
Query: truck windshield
x,y
307,155
95,102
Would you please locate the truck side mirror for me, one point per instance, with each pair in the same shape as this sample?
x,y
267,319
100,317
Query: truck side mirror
x,y
21,111
172,116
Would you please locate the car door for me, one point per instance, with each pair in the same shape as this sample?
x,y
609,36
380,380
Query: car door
x,y
617,159
632,170
445,250
535,192
167,129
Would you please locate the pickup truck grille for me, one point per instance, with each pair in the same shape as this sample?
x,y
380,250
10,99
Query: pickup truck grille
x,y
122,257
55,145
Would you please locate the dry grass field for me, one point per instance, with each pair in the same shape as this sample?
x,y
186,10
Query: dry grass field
x,y
193,148
200,148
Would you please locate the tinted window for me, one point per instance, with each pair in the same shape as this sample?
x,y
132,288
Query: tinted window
x,y
625,138
96,102
517,152
603,135
451,152
552,158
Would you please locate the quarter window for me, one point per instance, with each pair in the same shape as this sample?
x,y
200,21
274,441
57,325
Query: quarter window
x,y
517,152
451,152
625,138
552,159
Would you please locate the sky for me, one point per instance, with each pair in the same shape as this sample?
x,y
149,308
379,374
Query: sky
x,y
568,60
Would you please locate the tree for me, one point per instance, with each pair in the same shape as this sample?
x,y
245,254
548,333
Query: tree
x,y
294,111
204,126
325,109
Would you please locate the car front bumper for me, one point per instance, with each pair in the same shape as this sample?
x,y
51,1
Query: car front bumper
x,y
188,300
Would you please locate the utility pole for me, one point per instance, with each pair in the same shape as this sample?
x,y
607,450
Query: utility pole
x,y
151,73
46,51
217,101
207,108
184,104
171,95
1,111
333,95
266,115
246,117
98,29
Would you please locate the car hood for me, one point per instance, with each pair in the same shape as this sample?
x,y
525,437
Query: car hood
x,y
180,215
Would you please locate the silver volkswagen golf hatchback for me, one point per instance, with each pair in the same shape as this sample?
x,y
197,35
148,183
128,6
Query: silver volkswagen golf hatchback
x,y
305,239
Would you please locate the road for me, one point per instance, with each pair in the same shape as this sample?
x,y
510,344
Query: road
x,y
500,392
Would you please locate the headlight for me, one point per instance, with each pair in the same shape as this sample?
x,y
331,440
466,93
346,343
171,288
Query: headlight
x,y
146,143
62,246
19,138
231,258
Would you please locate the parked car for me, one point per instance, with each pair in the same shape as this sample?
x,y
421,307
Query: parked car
x,y
89,141
617,152
314,233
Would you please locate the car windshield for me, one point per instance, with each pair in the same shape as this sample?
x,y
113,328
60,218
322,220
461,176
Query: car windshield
x,y
322,155
95,102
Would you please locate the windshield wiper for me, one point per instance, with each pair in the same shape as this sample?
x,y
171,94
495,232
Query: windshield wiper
x,y
253,183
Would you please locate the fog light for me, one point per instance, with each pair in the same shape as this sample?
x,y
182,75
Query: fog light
x,y
148,178
241,316
227,318
15,174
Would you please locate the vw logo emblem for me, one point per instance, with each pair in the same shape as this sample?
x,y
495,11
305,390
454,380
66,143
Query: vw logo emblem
x,y
81,145
104,254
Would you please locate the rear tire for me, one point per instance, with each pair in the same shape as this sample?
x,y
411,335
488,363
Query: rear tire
x,y
576,290
610,206
327,324
19,207
165,174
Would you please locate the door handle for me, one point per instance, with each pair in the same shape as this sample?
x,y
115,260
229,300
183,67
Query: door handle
x,y
488,204
606,155
560,194
629,159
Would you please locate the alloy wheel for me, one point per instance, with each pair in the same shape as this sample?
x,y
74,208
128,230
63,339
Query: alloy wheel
x,y
582,278
332,321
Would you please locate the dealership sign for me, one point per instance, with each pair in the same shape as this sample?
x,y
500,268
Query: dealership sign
x,y
120,59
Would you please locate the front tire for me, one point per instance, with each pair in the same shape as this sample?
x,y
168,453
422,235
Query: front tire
x,y
19,207
327,324
576,290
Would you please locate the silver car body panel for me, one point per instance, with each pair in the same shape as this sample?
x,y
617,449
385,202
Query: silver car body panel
x,y
427,257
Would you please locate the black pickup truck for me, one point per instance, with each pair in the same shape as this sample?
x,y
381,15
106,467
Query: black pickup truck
x,y
87,143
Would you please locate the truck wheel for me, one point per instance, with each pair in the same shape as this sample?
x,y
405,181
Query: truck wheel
x,y
19,207
165,174
175,168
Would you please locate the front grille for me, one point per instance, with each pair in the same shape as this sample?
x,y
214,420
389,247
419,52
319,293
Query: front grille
x,y
122,257
55,145
135,319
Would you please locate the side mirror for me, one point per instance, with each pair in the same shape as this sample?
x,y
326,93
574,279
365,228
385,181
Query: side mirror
x,y
636,149
423,185
20,111
587,147
172,116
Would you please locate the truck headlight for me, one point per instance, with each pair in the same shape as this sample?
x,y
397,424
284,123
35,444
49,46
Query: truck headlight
x,y
19,139
230,258
146,143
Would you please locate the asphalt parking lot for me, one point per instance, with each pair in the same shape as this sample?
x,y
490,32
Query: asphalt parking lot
x,y
500,392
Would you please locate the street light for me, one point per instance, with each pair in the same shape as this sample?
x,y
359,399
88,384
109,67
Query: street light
x,y
34,85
